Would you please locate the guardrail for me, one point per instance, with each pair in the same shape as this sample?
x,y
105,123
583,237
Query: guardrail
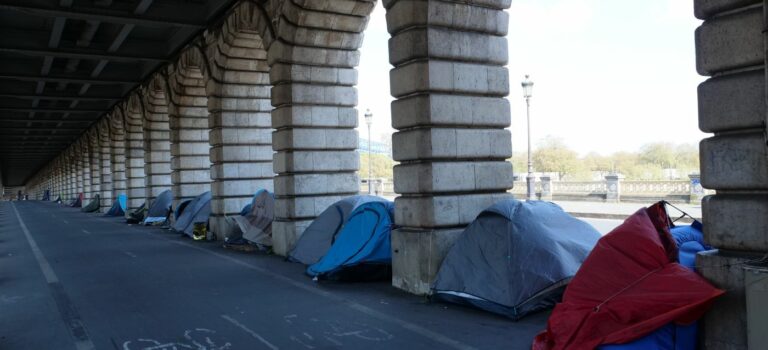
x,y
612,189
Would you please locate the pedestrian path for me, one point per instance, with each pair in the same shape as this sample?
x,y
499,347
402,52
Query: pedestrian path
x,y
71,280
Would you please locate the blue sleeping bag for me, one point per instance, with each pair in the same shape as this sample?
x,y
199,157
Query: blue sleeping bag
x,y
690,241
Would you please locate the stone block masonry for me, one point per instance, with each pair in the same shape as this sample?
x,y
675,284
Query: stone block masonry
x,y
730,47
450,82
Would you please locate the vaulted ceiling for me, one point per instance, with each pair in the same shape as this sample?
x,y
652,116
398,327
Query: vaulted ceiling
x,y
65,63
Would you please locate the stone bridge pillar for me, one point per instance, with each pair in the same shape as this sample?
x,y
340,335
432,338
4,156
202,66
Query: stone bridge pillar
x,y
85,159
241,126
190,163
92,138
79,159
117,154
134,153
450,82
157,139
105,164
314,99
730,48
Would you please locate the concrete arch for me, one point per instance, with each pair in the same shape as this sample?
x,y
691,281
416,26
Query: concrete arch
x,y
157,137
188,110
105,163
117,152
133,114
239,105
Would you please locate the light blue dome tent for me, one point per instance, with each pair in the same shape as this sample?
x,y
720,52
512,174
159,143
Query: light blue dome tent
x,y
348,241
515,258
118,207
191,212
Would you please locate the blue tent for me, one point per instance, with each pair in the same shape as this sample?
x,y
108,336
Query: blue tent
x,y
690,241
361,250
340,247
322,232
118,207
194,211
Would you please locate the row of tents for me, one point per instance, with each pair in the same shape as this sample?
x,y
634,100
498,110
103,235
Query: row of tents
x,y
634,288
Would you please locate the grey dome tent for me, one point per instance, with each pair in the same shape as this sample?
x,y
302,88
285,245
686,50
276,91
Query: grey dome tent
x,y
319,236
196,210
160,209
515,258
93,206
256,224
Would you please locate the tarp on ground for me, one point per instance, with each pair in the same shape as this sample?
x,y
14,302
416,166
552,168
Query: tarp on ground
x,y
361,250
93,206
515,258
160,209
321,233
118,207
47,195
630,286
197,210
256,223
77,202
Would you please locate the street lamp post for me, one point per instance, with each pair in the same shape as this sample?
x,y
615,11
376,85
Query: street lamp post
x,y
369,121
530,180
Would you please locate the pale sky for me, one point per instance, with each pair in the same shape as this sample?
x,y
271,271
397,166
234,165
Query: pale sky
x,y
610,75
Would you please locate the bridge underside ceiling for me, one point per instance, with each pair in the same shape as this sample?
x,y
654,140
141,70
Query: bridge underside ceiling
x,y
65,63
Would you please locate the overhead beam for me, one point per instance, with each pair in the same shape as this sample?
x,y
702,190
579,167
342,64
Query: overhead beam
x,y
104,16
97,81
37,129
52,110
82,53
64,121
59,97
17,136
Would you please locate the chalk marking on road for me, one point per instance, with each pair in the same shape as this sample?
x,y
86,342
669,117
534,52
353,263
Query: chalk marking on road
x,y
437,337
86,232
67,310
131,254
249,331
65,221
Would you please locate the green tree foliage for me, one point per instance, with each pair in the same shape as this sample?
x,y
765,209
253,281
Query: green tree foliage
x,y
553,156
381,167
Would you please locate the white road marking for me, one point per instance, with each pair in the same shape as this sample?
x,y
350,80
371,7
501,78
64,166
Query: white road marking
x,y
50,276
249,331
130,254
86,232
437,337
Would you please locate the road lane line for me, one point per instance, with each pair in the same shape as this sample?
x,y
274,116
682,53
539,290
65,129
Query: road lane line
x,y
249,331
67,310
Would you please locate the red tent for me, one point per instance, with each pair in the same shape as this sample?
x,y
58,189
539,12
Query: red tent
x,y
629,286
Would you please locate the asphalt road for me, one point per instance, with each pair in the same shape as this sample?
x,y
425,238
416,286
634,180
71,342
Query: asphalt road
x,y
603,225
70,280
